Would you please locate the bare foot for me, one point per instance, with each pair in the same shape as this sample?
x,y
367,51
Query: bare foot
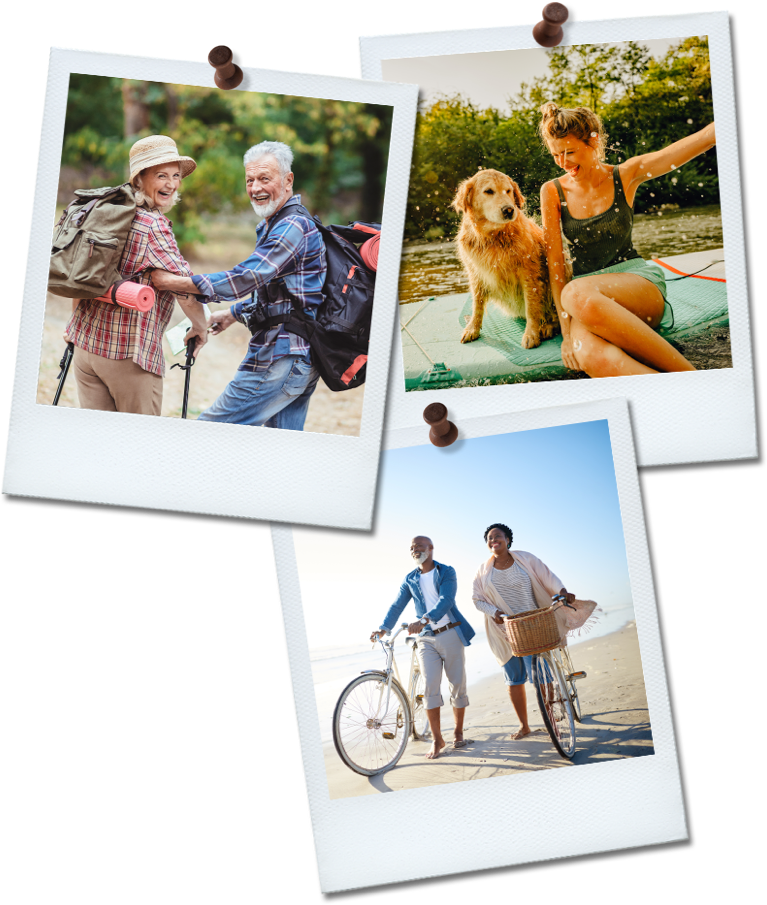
x,y
520,733
461,742
436,749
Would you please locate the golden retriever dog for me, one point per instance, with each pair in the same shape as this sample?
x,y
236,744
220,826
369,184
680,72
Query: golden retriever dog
x,y
504,256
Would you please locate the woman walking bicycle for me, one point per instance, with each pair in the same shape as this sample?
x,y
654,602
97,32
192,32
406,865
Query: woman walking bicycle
x,y
508,584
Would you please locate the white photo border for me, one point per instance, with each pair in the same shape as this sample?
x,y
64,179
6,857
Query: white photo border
x,y
211,468
678,418
503,820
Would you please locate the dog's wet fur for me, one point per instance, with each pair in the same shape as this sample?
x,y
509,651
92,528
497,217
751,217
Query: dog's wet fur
x,y
503,253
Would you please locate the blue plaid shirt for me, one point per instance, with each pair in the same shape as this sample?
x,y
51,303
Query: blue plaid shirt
x,y
293,251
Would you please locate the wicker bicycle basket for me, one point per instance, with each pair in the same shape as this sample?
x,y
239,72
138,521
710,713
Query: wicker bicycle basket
x,y
535,631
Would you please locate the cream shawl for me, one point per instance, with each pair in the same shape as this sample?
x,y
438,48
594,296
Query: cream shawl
x,y
545,585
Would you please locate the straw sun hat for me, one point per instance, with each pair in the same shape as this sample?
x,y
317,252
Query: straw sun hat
x,y
157,149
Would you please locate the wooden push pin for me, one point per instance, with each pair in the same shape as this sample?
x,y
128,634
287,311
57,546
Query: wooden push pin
x,y
443,432
548,33
228,74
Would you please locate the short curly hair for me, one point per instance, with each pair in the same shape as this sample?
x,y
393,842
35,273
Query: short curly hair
x,y
506,530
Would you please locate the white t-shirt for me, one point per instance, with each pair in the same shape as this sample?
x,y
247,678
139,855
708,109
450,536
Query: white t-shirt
x,y
431,597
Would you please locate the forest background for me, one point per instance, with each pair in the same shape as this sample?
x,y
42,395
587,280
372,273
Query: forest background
x,y
645,104
341,151
340,147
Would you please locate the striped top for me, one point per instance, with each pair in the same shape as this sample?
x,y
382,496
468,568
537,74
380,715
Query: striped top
x,y
603,240
514,587
114,332
292,252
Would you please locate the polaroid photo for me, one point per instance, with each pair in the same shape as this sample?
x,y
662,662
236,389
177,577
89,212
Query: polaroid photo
x,y
270,155
635,227
522,508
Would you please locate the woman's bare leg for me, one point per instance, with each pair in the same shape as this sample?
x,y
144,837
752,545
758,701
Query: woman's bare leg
x,y
599,358
624,309
518,697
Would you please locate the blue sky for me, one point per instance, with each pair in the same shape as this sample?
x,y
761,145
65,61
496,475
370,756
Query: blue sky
x,y
554,487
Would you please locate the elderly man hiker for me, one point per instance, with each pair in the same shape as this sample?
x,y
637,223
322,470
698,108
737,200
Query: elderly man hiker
x,y
442,636
276,379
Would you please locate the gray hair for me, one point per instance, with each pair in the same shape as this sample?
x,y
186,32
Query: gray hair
x,y
277,149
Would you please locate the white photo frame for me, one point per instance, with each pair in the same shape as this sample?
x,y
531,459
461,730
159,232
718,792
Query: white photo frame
x,y
635,802
163,463
677,418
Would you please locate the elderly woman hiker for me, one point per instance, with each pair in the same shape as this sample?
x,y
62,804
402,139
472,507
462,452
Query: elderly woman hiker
x,y
516,583
118,357
611,308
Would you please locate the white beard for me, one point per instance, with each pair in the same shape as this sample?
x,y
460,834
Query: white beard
x,y
421,558
266,210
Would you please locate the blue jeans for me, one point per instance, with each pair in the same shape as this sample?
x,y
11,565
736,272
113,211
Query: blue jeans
x,y
278,396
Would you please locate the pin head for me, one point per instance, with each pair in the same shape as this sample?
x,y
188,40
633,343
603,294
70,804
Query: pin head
x,y
443,432
228,74
548,32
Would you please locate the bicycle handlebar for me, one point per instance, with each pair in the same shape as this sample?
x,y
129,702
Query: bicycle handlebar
x,y
562,598
391,637
556,598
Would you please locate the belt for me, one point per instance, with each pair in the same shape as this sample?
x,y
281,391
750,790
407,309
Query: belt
x,y
436,631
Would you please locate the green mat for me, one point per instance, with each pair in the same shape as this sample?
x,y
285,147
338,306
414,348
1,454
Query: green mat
x,y
694,305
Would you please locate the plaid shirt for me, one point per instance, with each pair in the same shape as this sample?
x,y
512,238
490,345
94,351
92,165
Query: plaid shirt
x,y
293,251
115,332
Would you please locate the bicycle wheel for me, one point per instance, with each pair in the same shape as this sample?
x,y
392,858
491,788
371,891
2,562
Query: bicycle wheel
x,y
369,731
572,691
420,719
554,703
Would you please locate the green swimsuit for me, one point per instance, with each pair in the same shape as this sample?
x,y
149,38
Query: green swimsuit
x,y
602,244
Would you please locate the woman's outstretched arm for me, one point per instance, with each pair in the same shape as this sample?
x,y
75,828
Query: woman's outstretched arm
x,y
551,215
637,170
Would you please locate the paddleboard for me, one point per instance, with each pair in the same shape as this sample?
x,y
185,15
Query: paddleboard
x,y
435,357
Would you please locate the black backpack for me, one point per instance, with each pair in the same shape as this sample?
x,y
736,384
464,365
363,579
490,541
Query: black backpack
x,y
340,334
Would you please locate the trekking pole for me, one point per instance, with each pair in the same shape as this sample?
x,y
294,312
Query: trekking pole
x,y
190,347
66,361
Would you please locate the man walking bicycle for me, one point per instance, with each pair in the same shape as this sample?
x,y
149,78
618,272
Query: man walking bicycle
x,y
443,633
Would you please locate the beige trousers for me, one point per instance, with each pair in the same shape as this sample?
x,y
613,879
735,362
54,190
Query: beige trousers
x,y
116,385
438,652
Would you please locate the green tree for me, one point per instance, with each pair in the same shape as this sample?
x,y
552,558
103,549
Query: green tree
x,y
341,148
644,104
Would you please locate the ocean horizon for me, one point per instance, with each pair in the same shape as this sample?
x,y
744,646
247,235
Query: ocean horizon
x,y
334,666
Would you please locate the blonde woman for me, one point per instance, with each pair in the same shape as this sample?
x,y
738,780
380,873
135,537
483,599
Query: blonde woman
x,y
611,308
118,358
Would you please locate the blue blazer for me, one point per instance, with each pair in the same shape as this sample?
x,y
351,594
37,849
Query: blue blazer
x,y
446,586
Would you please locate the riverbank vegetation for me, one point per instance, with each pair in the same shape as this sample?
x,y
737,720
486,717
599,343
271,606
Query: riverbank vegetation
x,y
645,104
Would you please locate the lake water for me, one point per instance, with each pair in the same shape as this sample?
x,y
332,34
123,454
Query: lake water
x,y
334,667
433,269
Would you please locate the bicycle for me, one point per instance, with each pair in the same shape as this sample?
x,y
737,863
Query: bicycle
x,y
374,716
554,680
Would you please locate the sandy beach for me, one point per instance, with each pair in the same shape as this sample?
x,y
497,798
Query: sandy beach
x,y
616,725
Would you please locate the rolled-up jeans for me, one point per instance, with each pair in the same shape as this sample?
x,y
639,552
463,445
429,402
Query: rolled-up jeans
x,y
436,652
276,396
